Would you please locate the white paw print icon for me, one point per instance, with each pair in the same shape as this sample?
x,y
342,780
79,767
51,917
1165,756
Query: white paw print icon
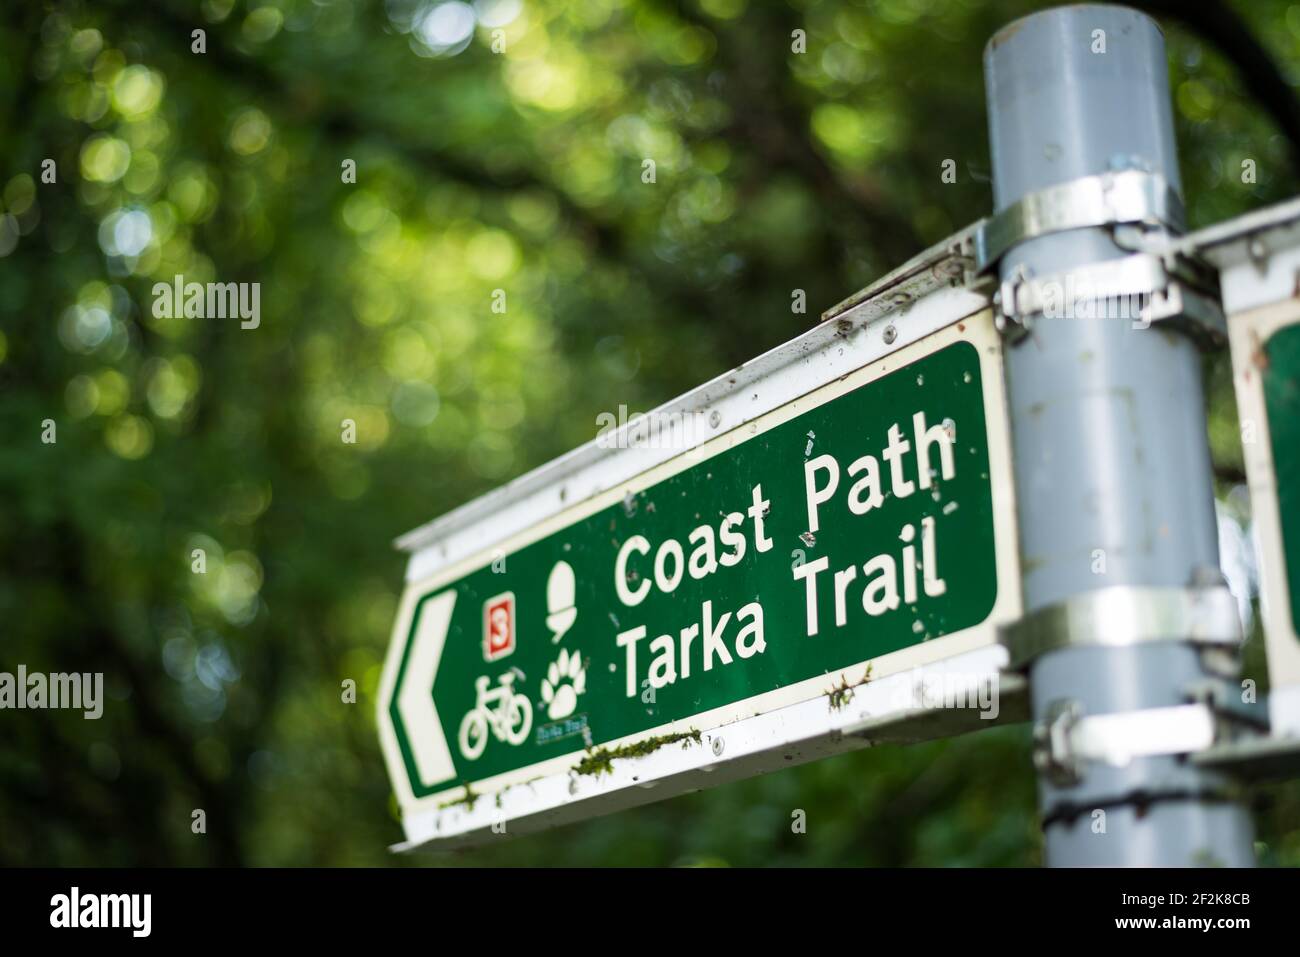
x,y
565,679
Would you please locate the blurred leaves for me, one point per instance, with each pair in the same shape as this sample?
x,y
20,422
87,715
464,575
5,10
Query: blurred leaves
x,y
498,150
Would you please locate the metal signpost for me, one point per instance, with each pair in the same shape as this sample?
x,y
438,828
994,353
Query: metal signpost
x,y
834,544
1126,611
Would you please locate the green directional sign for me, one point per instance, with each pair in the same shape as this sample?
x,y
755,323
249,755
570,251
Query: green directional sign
x,y
1281,376
853,523
1266,368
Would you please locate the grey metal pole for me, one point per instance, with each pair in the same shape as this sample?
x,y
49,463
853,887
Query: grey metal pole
x,y
1109,437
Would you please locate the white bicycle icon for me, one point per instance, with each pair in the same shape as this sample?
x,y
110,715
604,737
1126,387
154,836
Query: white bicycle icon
x,y
507,713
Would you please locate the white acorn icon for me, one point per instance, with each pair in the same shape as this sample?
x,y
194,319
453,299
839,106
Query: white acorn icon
x,y
561,592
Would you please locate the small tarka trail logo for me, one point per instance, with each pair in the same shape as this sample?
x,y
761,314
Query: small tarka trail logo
x,y
501,710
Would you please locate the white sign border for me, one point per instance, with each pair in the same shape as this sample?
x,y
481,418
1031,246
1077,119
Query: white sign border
x,y
1249,332
1258,257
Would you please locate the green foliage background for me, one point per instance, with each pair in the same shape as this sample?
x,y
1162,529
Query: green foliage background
x,y
476,171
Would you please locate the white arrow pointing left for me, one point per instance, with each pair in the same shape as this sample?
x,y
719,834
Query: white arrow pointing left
x,y
433,763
